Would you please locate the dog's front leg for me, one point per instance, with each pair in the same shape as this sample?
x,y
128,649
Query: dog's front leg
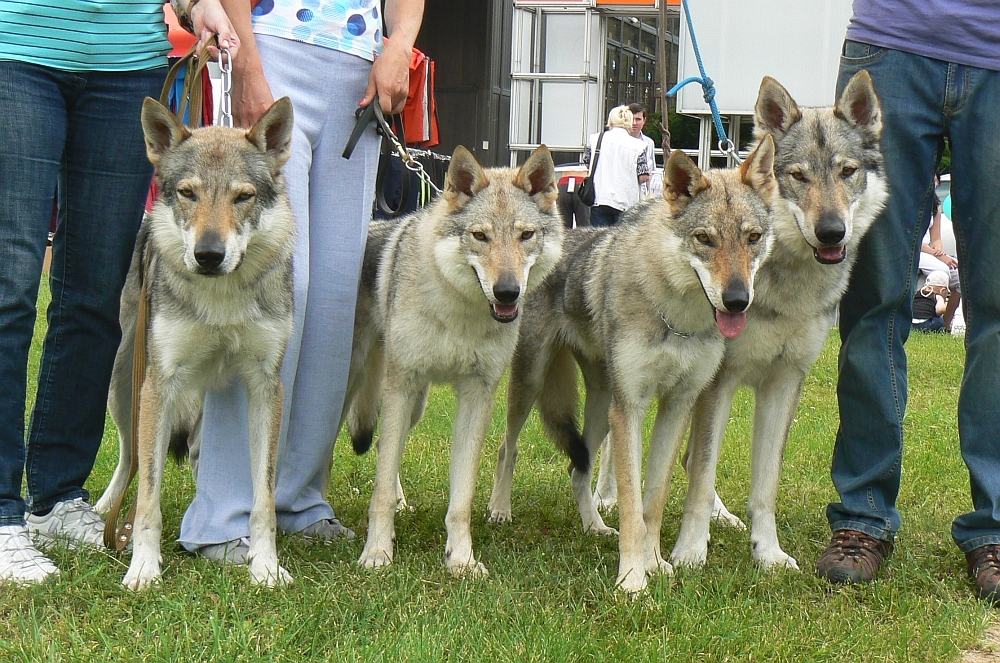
x,y
626,446
265,396
398,401
672,416
156,412
777,400
472,419
709,419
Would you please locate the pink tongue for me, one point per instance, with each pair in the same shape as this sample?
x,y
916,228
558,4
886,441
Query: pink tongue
x,y
730,324
505,310
831,252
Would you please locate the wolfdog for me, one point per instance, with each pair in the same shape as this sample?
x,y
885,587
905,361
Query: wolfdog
x,y
643,308
440,301
830,173
215,254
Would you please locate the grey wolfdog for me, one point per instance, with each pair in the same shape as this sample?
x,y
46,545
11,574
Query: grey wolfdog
x,y
215,254
830,173
644,309
439,301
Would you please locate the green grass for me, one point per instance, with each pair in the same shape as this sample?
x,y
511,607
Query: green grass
x,y
550,594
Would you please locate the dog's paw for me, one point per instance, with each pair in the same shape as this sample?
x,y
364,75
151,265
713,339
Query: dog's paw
x,y
659,566
269,574
723,516
138,579
631,581
600,529
403,506
693,556
500,515
375,558
774,558
473,570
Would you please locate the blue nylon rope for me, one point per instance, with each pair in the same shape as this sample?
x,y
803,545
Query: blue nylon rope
x,y
707,84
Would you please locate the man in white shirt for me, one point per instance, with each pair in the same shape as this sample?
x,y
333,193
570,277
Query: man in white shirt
x,y
639,117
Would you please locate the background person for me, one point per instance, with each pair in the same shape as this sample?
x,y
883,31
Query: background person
x,y
933,258
621,168
639,118
329,62
930,303
930,89
72,74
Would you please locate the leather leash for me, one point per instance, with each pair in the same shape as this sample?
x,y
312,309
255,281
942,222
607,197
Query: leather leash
x,y
117,536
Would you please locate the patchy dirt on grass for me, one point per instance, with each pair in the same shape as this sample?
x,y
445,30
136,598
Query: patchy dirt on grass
x,y
988,651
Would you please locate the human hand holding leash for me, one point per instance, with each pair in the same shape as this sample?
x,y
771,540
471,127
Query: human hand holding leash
x,y
206,19
390,77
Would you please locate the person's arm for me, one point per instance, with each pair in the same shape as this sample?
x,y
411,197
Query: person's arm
x,y
251,93
935,233
642,167
940,305
207,18
390,77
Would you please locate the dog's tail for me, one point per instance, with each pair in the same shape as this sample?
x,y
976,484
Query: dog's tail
x,y
557,406
364,398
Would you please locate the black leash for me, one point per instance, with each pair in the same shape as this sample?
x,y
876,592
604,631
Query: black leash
x,y
393,139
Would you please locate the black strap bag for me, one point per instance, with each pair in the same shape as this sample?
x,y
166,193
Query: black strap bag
x,y
586,191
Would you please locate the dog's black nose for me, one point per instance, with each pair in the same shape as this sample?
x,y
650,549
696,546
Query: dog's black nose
x,y
830,229
210,251
506,289
736,297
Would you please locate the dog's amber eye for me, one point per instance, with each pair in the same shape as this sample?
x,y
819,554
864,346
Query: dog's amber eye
x,y
527,234
187,193
481,236
704,238
754,238
848,171
244,196
798,176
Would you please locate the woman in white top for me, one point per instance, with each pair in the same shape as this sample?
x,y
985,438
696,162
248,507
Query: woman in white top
x,y
621,168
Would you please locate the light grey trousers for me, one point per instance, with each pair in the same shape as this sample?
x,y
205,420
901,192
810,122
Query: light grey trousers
x,y
332,200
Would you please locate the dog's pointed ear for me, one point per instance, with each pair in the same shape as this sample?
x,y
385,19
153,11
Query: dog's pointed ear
x,y
682,181
272,134
465,178
538,175
859,105
758,170
161,129
775,111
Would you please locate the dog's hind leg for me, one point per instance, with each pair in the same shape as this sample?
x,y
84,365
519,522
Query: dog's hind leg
x,y
156,412
472,419
415,417
398,401
120,406
265,398
595,430
606,493
777,399
527,375
710,416
720,513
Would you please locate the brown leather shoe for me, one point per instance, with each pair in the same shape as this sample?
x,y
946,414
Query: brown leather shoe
x,y
853,557
984,568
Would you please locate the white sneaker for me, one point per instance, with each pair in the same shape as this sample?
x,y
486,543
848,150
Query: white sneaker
x,y
20,561
70,522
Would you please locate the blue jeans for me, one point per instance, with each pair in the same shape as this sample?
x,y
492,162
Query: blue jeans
x,y
602,216
82,131
935,324
923,101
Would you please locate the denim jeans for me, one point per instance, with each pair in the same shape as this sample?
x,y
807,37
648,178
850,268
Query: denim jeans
x,y
82,130
923,101
602,216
